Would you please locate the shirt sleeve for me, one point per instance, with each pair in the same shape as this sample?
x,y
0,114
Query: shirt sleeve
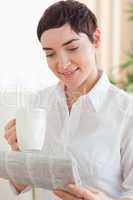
x,y
127,162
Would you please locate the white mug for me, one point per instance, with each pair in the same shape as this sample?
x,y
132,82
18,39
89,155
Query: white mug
x,y
30,128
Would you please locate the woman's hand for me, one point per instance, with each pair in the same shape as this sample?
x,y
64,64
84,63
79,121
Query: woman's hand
x,y
78,193
10,136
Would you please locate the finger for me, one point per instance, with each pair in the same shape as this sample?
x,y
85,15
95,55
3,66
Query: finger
x,y
76,190
15,147
81,192
9,132
11,123
65,195
59,193
12,139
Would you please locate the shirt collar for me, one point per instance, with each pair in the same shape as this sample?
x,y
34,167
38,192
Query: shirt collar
x,y
97,94
94,97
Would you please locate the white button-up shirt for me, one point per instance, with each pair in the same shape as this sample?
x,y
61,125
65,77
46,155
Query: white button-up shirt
x,y
98,133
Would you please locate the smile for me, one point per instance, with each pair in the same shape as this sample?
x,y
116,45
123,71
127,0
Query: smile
x,y
69,73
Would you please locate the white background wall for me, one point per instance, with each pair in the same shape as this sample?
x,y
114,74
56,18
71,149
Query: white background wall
x,y
22,61
22,64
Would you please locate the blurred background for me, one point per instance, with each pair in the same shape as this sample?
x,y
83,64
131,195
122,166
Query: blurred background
x,y
116,53
23,68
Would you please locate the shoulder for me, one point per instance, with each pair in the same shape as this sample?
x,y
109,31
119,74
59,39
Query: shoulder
x,y
123,101
123,105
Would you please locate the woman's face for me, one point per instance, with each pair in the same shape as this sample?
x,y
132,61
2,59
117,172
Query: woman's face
x,y
70,56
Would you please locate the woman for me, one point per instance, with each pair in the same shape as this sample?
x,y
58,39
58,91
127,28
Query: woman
x,y
95,113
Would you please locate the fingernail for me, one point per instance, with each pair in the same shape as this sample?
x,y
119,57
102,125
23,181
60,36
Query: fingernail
x,y
55,192
58,193
71,186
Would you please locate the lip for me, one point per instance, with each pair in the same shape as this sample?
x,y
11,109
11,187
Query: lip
x,y
69,72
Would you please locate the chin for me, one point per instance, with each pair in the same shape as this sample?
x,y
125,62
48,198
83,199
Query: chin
x,y
72,85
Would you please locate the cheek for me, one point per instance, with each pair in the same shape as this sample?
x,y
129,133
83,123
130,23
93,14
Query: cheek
x,y
51,64
78,59
81,57
83,62
86,60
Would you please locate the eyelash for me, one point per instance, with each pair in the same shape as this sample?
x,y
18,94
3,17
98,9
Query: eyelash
x,y
72,49
50,55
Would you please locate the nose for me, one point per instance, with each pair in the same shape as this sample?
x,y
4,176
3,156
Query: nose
x,y
63,62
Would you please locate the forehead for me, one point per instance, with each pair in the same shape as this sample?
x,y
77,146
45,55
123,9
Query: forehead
x,y
59,35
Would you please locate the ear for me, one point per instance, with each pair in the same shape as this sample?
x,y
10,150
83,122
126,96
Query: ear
x,y
97,38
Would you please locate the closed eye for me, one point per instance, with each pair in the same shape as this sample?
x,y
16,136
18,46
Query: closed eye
x,y
73,49
49,55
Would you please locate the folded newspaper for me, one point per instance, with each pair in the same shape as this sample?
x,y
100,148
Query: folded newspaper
x,y
36,169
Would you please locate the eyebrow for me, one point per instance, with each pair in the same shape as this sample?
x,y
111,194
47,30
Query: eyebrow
x,y
64,44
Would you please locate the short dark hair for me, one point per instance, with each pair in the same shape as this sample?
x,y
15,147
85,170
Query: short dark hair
x,y
76,14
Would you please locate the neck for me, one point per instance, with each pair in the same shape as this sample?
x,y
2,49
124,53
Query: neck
x,y
84,88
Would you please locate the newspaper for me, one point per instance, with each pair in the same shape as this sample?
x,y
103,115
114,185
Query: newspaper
x,y
34,168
